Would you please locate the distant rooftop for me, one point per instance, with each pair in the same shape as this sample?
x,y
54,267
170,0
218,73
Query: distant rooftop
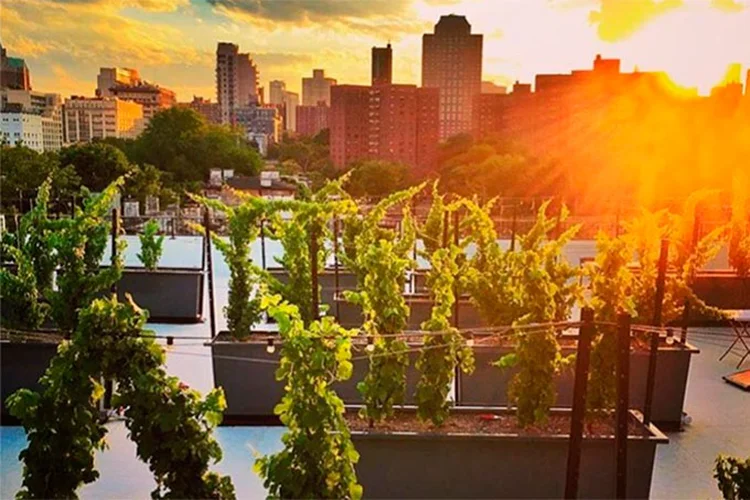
x,y
453,25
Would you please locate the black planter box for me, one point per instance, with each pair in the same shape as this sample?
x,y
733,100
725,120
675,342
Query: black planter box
x,y
169,295
23,364
247,373
488,385
723,289
327,283
415,465
420,307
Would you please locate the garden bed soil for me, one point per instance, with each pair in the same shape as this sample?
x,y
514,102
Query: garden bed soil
x,y
170,295
251,389
487,386
469,458
23,361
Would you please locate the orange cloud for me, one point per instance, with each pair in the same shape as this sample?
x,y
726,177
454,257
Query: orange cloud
x,y
618,19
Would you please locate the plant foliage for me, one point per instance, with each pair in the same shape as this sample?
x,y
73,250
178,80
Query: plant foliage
x,y
318,456
170,423
733,477
152,245
79,243
739,239
380,257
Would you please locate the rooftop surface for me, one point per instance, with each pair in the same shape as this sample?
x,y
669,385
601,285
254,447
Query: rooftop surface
x,y
720,413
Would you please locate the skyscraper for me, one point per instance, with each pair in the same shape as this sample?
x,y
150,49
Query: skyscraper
x,y
236,80
276,92
452,63
317,89
382,65
15,74
110,77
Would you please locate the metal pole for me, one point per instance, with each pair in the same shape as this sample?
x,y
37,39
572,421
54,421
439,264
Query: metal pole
x,y
174,228
210,261
583,357
513,227
115,231
446,223
653,352
314,270
263,243
622,372
336,265
686,310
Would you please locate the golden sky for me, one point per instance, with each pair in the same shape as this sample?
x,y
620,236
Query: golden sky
x,y
172,42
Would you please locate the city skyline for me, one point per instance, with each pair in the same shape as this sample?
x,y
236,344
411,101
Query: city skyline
x,y
173,42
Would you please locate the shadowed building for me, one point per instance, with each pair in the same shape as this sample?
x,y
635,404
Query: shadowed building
x,y
452,63
382,65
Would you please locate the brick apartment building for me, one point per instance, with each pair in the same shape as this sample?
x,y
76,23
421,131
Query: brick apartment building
x,y
312,119
386,122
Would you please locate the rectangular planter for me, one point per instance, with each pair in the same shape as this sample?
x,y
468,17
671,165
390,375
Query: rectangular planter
x,y
23,364
251,389
350,315
169,295
415,465
723,289
488,385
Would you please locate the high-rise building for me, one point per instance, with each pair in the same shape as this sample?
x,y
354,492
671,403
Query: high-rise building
x,y
276,91
290,105
109,77
312,119
452,63
20,126
152,97
236,80
386,122
261,124
382,65
209,110
88,118
47,106
14,74
317,89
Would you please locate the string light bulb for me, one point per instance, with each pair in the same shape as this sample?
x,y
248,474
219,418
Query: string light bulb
x,y
670,337
270,348
370,344
470,341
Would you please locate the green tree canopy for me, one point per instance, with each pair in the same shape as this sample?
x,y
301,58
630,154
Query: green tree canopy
x,y
377,179
179,142
97,164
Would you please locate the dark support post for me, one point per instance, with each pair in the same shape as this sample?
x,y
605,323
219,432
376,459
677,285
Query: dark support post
x,y
314,270
115,231
456,235
263,243
583,358
174,228
210,262
513,227
622,372
446,227
654,350
686,310
336,265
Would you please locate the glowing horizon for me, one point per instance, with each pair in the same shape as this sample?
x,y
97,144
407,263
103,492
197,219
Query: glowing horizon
x,y
172,42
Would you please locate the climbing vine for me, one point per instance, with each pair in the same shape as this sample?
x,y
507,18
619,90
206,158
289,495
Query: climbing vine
x,y
152,245
318,456
309,218
79,243
531,285
733,477
739,235
381,258
170,423
622,279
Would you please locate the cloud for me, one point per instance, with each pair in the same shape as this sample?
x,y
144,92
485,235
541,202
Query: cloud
x,y
305,11
92,33
618,19
147,5
729,5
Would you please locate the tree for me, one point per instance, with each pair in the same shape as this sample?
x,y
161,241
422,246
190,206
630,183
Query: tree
x,y
97,164
24,170
144,181
377,179
179,142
